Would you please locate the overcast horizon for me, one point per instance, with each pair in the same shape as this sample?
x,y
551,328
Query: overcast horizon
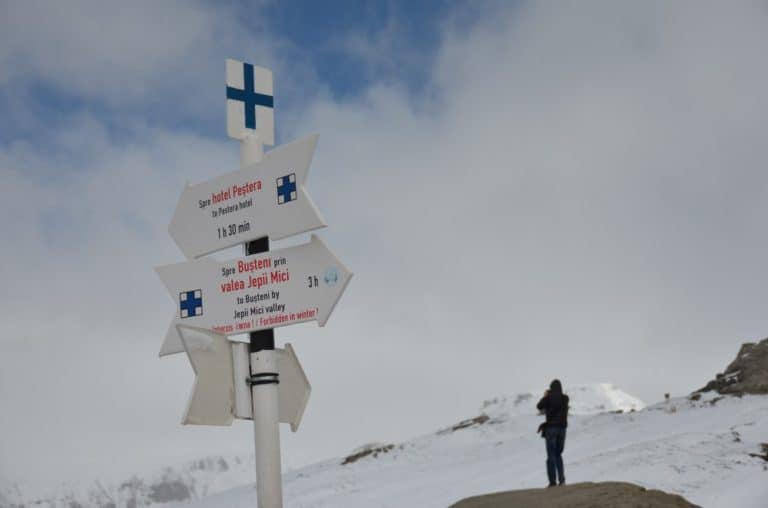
x,y
523,191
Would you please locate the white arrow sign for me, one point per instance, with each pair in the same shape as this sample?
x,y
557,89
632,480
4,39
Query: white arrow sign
x,y
213,395
294,388
266,290
264,199
218,387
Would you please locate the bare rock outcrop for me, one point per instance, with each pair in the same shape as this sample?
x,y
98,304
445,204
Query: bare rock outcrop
x,y
747,374
579,495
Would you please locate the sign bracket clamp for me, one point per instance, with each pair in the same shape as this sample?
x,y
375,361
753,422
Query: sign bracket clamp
x,y
263,378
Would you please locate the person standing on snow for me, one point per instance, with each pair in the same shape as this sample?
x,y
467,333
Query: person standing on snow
x,y
554,405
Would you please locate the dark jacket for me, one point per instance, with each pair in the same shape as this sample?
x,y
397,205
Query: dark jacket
x,y
555,406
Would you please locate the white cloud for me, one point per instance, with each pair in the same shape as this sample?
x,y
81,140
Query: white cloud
x,y
126,54
586,201
582,197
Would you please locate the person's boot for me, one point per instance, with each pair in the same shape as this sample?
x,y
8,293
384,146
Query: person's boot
x,y
551,473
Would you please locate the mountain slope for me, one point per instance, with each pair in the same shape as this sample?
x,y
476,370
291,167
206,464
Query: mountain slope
x,y
706,450
709,448
199,478
192,480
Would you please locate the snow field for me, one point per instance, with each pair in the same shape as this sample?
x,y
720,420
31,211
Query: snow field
x,y
699,449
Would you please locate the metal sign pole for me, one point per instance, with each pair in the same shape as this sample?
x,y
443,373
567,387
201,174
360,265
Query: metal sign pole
x,y
264,379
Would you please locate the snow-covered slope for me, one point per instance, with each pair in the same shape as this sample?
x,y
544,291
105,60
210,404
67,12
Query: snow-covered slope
x,y
706,450
199,478
584,400
192,480
700,449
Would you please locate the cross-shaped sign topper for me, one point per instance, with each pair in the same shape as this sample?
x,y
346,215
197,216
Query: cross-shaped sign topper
x,y
250,104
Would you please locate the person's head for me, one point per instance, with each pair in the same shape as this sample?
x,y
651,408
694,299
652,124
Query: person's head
x,y
555,387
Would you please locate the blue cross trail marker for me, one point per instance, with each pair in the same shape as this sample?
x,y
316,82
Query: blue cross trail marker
x,y
286,188
249,97
250,102
191,303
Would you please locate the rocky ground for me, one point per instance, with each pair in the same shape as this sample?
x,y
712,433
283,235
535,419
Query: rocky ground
x,y
747,374
580,495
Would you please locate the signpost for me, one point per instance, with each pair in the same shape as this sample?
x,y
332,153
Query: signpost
x,y
256,293
222,212
216,398
268,290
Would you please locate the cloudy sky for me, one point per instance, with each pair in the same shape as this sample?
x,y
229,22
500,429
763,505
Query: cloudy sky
x,y
523,190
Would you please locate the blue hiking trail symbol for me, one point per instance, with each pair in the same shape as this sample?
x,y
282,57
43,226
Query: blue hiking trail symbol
x,y
191,303
249,97
286,189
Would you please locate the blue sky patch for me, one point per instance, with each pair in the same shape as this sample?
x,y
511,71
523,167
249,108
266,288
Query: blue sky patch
x,y
344,46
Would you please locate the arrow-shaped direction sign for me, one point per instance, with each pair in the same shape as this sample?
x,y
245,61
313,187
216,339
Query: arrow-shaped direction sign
x,y
263,199
294,388
266,290
218,388
213,395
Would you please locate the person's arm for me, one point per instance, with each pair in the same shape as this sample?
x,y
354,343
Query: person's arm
x,y
543,402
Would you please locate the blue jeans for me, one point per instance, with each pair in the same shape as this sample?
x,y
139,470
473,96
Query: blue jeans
x,y
555,441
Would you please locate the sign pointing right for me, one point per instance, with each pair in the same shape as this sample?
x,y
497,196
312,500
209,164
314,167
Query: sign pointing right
x,y
263,199
267,290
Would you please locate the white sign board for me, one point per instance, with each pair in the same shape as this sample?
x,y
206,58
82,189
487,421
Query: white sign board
x,y
267,290
250,102
220,386
213,394
264,199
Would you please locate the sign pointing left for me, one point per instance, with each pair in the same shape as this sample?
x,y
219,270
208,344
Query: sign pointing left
x,y
212,399
263,199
